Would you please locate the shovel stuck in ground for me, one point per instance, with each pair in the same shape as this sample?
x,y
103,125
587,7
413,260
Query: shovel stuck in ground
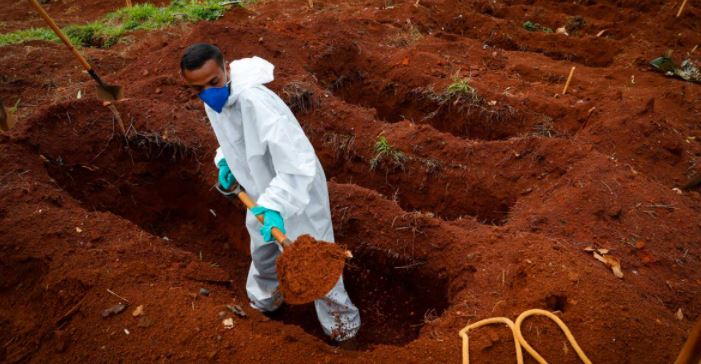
x,y
104,91
307,269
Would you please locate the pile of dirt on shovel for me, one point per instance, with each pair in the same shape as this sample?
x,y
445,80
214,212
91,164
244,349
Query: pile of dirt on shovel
x,y
308,269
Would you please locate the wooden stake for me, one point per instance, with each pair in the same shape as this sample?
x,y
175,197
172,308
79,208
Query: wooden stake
x,y
681,8
116,295
129,3
311,4
569,78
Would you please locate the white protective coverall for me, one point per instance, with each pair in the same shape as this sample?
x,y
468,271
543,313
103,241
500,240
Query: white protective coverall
x,y
275,163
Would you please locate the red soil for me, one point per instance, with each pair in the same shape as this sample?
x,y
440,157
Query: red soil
x,y
308,269
487,214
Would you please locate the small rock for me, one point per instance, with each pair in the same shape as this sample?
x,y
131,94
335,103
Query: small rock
x,y
679,314
158,90
114,310
204,292
228,323
138,311
237,310
145,73
222,314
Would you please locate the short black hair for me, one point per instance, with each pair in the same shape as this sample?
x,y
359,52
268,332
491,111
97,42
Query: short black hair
x,y
197,54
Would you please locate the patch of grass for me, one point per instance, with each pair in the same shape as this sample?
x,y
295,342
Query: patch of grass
x,y
459,86
108,30
533,27
25,35
386,151
461,89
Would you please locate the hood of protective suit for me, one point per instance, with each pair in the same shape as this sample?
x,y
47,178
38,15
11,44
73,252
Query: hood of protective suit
x,y
246,73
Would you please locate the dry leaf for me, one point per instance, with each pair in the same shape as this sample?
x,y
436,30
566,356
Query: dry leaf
x,y
602,251
615,265
589,249
609,260
405,61
600,258
639,244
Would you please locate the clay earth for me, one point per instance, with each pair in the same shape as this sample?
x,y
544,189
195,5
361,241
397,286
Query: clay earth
x,y
482,203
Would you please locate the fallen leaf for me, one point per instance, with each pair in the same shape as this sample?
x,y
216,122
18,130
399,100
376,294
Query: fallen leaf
x,y
615,265
602,251
405,61
600,258
639,244
611,261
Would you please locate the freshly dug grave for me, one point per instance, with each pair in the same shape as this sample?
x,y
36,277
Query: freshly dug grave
x,y
83,211
308,269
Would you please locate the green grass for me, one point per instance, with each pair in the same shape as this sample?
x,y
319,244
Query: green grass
x,y
460,86
14,108
532,27
108,30
24,35
385,150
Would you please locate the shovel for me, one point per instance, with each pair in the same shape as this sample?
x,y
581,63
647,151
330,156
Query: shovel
x,y
307,269
104,91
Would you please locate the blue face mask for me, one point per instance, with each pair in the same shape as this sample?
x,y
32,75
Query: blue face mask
x,y
216,97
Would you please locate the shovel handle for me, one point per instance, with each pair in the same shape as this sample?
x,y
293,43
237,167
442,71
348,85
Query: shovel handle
x,y
60,34
277,234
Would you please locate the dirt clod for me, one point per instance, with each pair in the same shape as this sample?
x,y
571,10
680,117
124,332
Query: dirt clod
x,y
309,269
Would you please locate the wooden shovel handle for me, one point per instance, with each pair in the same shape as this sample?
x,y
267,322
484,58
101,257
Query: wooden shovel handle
x,y
277,234
60,34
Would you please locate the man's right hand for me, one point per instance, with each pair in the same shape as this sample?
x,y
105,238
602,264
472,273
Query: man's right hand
x,y
226,178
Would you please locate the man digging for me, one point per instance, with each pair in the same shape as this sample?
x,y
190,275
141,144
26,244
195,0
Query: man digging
x,y
263,148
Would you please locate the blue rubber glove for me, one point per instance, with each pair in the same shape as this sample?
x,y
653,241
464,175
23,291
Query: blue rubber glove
x,y
226,178
271,219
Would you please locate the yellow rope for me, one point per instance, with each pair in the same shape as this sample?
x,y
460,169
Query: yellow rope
x,y
518,337
493,320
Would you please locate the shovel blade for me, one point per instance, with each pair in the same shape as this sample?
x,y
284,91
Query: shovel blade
x,y
7,119
110,93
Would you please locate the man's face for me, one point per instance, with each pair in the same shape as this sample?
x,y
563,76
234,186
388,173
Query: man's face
x,y
207,76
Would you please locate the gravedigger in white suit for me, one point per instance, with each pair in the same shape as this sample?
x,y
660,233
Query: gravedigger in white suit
x,y
264,149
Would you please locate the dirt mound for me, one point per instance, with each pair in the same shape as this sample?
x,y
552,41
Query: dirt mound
x,y
457,206
308,269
